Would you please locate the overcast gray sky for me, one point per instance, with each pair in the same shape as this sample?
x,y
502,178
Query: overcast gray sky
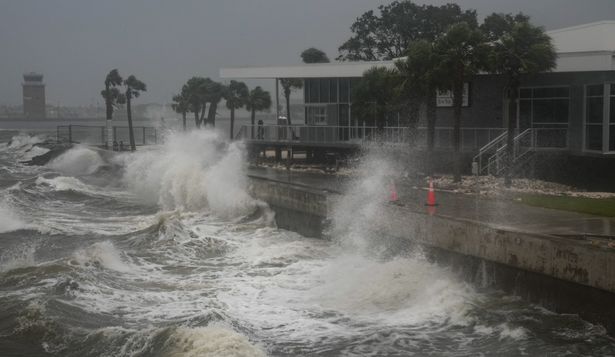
x,y
74,43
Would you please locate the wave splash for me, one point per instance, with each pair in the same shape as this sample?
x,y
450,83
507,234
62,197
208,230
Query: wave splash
x,y
77,161
101,254
9,220
209,341
191,171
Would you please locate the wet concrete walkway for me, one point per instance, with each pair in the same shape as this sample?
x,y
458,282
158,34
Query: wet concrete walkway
x,y
504,214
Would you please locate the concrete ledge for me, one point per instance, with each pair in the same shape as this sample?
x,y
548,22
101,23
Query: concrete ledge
x,y
297,208
563,274
577,261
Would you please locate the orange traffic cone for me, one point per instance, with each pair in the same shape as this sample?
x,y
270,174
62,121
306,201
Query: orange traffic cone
x,y
431,195
393,190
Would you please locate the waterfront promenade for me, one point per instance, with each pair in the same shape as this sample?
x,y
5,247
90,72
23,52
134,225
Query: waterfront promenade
x,y
497,213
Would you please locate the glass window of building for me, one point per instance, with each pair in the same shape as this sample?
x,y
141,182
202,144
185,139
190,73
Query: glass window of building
x,y
316,115
547,111
324,90
612,118
594,116
344,90
333,90
306,90
313,91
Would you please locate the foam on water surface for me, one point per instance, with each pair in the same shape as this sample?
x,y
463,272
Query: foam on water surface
x,y
163,252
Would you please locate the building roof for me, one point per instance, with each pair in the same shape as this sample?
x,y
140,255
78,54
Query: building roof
x,y
322,70
588,47
593,37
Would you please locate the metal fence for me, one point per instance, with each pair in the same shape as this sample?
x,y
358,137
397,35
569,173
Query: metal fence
x,y
471,138
97,135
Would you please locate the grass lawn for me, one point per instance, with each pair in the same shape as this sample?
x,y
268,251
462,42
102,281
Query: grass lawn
x,y
597,206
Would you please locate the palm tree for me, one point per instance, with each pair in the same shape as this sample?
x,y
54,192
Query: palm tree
x,y
112,97
517,48
134,87
258,100
288,84
195,91
420,82
236,97
214,94
181,106
461,52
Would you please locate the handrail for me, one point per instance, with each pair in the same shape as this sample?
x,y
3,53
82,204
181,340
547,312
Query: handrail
x,y
492,143
97,134
472,138
501,152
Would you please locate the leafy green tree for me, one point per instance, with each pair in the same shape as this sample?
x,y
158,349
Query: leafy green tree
x,y
288,85
134,87
257,100
497,25
375,95
462,54
113,97
181,106
236,97
314,55
387,34
518,49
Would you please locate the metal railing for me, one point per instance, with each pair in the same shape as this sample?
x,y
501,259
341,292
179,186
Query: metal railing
x,y
523,145
492,158
471,138
97,135
320,134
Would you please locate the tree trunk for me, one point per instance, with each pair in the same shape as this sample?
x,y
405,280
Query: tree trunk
x,y
457,102
197,123
232,122
512,124
211,114
202,118
288,108
131,133
109,116
252,120
108,104
184,120
431,130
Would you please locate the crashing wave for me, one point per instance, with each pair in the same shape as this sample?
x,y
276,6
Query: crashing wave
x,y
101,255
77,161
191,171
9,220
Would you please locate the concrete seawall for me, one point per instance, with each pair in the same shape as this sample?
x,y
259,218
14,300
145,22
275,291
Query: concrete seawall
x,y
298,208
563,274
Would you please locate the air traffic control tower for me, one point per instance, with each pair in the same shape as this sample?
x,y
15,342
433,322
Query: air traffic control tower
x,y
33,96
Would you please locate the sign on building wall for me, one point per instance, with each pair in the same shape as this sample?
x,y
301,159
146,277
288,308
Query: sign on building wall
x,y
445,98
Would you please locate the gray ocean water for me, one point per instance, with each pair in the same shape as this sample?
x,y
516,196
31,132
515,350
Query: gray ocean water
x,y
163,253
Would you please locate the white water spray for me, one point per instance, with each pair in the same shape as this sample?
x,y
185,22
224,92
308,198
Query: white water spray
x,y
191,171
77,161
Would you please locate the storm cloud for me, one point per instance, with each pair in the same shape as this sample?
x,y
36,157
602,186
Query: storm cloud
x,y
75,42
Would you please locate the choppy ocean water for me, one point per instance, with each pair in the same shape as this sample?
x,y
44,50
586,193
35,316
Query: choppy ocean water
x,y
164,253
